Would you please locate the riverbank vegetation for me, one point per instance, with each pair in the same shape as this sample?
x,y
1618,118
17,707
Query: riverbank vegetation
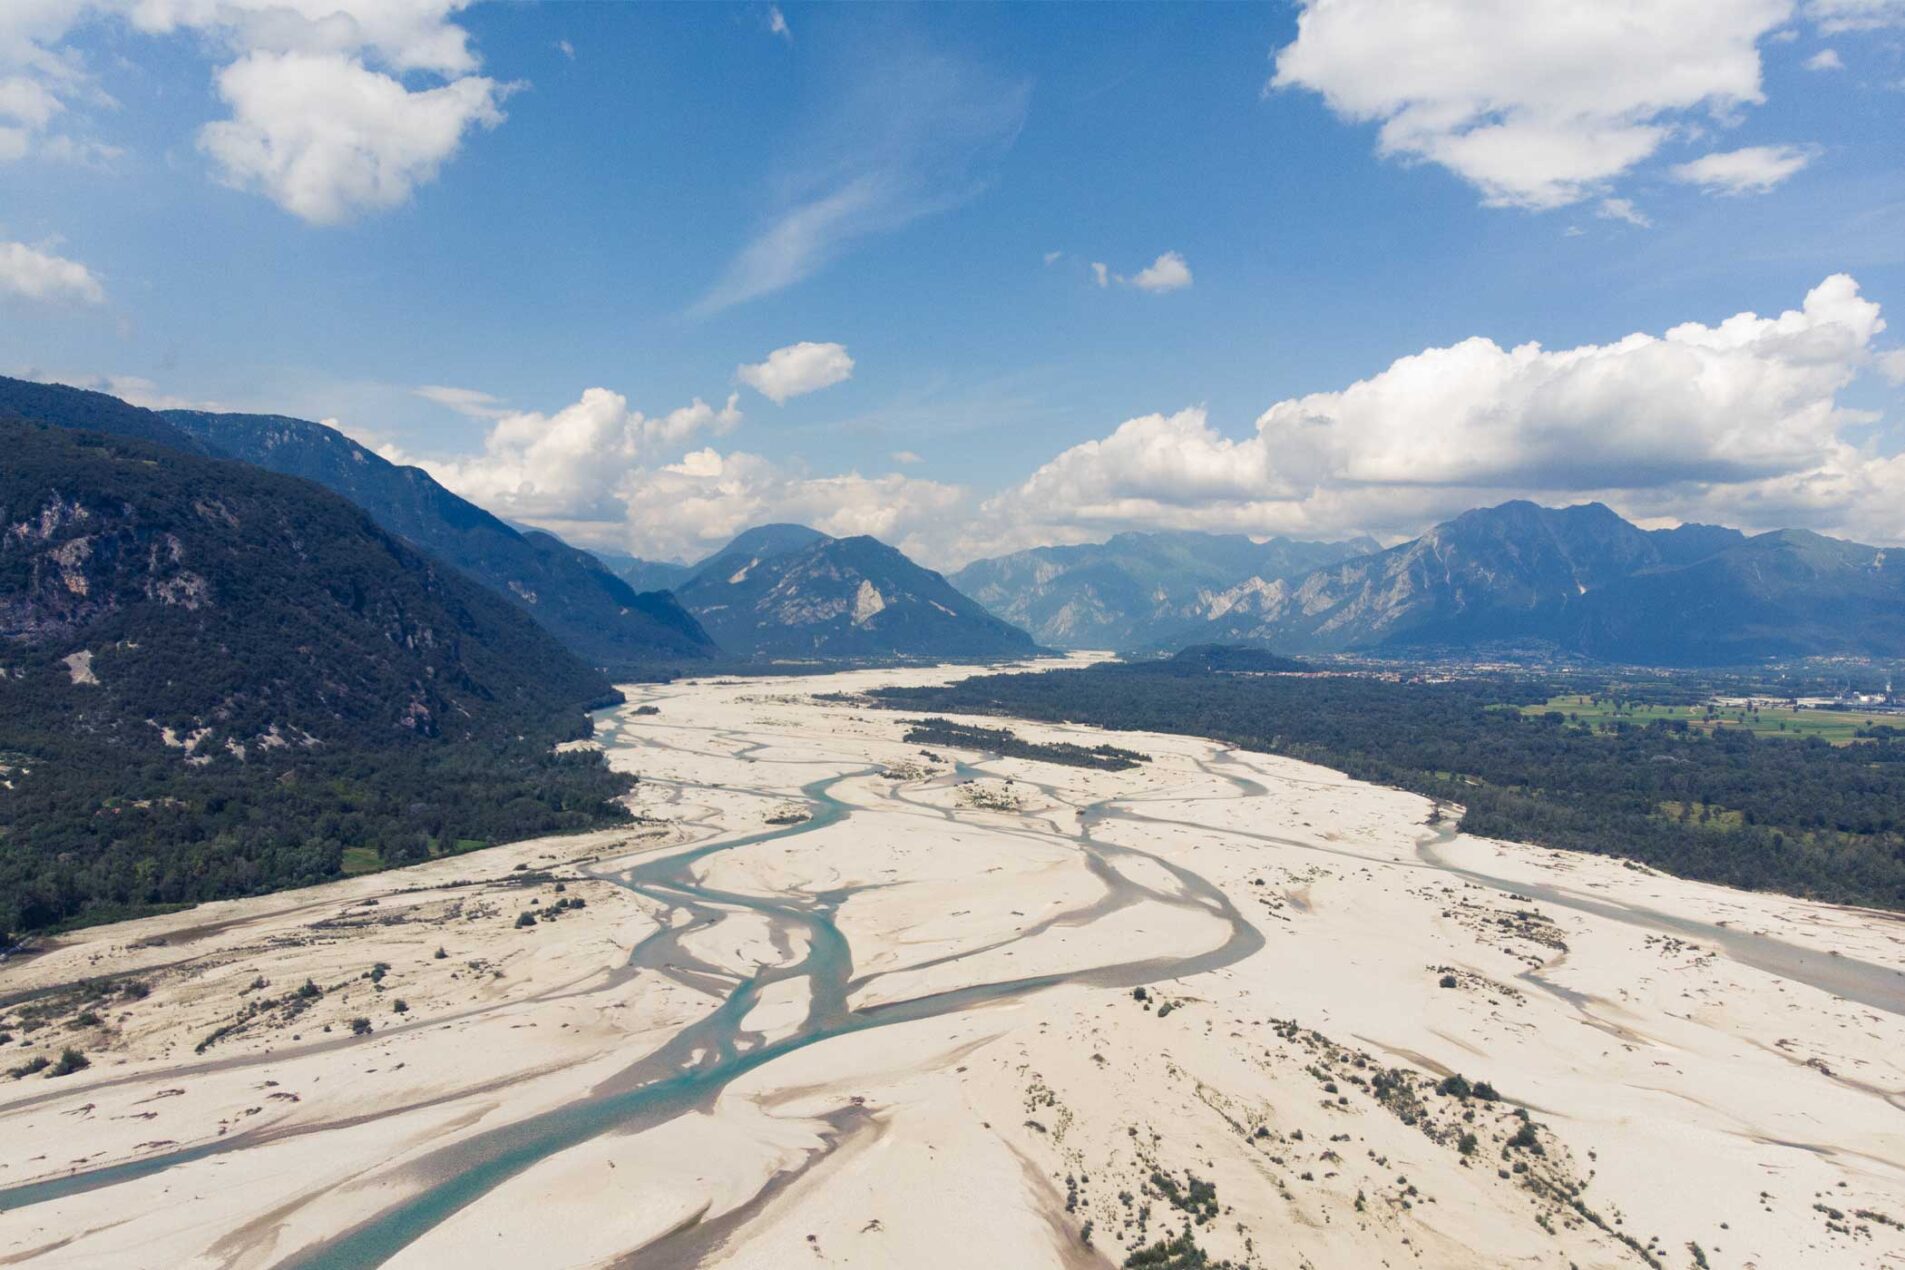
x,y
84,841
1008,744
1800,816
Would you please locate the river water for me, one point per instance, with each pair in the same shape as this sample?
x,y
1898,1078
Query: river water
x,y
698,1062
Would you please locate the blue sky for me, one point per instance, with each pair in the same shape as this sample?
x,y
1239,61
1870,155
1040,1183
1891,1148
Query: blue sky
x,y
320,207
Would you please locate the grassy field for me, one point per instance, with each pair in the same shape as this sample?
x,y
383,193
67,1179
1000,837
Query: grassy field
x,y
361,860
1836,726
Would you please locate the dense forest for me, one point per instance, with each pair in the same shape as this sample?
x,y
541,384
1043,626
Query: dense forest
x,y
87,838
1798,816
216,681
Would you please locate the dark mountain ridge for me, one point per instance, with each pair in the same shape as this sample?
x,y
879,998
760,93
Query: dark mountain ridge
x,y
217,679
1579,580
597,614
173,566
1784,594
69,407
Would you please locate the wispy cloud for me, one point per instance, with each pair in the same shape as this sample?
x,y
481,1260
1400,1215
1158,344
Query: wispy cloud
x,y
918,135
1751,170
465,401
136,389
1623,209
1169,272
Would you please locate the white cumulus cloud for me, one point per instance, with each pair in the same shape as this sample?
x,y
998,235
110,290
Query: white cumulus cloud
x,y
1167,273
1750,170
797,370
1537,103
1750,397
325,137
685,509
604,474
32,274
406,35
1825,60
320,122
572,463
1737,417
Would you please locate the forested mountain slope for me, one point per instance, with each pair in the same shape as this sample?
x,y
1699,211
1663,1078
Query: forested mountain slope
x,y
216,680
597,614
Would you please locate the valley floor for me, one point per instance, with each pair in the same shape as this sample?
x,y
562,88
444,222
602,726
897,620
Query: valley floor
x,y
837,1001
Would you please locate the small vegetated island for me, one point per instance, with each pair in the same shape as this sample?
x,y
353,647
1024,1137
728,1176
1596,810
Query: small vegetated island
x,y
1737,805
1008,744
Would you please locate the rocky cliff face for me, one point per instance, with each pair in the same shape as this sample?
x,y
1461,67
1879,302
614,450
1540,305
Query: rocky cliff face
x,y
71,563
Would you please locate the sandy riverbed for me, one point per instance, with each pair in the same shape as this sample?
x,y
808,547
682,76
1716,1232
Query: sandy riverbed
x,y
1003,1013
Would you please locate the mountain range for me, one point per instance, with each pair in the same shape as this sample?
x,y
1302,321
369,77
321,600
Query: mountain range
x,y
787,591
1577,579
1138,589
569,592
810,595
